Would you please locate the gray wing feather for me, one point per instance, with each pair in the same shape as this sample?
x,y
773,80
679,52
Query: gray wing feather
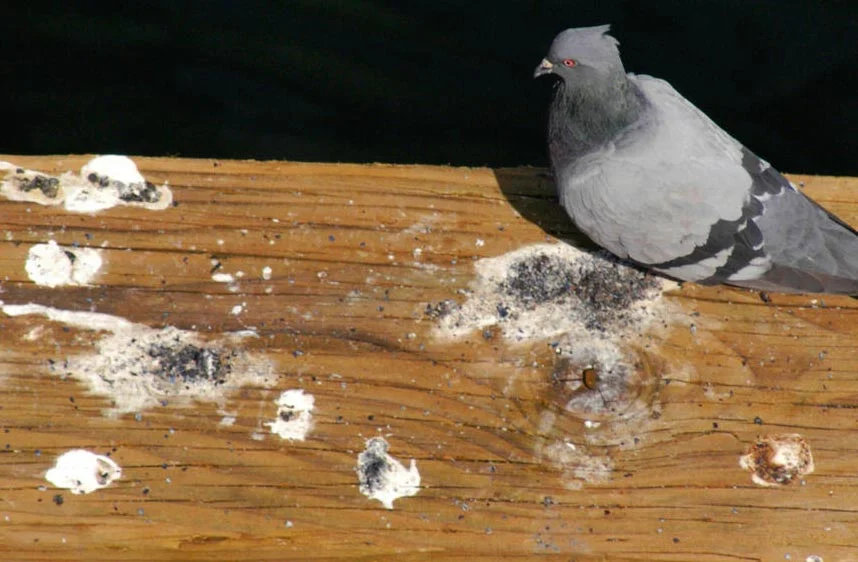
x,y
810,249
784,241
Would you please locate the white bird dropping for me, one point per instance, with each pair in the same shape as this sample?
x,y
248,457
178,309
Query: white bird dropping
x,y
83,472
382,477
294,415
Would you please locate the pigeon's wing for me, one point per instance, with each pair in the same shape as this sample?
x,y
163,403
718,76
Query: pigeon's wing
x,y
783,241
805,248
699,206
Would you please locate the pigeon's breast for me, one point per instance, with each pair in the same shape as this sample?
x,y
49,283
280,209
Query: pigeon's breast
x,y
654,192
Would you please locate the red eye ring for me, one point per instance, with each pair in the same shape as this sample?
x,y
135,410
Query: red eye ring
x,y
569,63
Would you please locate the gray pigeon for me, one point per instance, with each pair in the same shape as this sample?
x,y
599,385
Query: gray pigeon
x,y
649,177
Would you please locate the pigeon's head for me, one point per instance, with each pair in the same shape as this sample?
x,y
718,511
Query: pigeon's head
x,y
582,53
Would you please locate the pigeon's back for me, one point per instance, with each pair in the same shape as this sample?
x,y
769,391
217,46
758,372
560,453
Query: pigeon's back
x,y
680,128
801,247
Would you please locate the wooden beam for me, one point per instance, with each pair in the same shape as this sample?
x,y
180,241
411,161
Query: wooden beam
x,y
599,418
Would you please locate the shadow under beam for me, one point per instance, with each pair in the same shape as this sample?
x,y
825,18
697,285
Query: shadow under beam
x,y
532,194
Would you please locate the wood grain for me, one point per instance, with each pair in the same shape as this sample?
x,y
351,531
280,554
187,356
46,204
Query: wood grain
x,y
344,317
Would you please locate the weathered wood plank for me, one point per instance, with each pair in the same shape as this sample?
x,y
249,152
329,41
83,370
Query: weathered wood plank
x,y
517,456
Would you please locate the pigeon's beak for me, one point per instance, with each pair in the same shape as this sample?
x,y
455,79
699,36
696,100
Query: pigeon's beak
x,y
545,67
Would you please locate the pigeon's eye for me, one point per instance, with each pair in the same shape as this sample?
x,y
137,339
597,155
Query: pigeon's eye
x,y
570,63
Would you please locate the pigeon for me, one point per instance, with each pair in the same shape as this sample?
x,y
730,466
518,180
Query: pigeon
x,y
649,177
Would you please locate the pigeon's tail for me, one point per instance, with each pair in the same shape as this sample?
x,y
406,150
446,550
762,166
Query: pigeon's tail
x,y
809,249
784,279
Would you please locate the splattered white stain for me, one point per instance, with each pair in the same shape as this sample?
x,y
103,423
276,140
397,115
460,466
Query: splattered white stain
x,y
82,472
488,303
776,460
113,166
579,466
294,415
52,265
223,277
381,477
138,367
104,182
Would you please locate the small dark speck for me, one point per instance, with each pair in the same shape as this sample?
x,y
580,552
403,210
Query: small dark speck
x,y
331,238
47,185
145,491
440,309
58,499
297,353
675,539
372,472
287,415
187,363
764,296
370,417
758,420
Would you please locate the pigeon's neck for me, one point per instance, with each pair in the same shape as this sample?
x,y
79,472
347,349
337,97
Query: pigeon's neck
x,y
586,117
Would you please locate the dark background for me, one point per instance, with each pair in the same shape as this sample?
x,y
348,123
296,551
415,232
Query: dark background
x,y
409,81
